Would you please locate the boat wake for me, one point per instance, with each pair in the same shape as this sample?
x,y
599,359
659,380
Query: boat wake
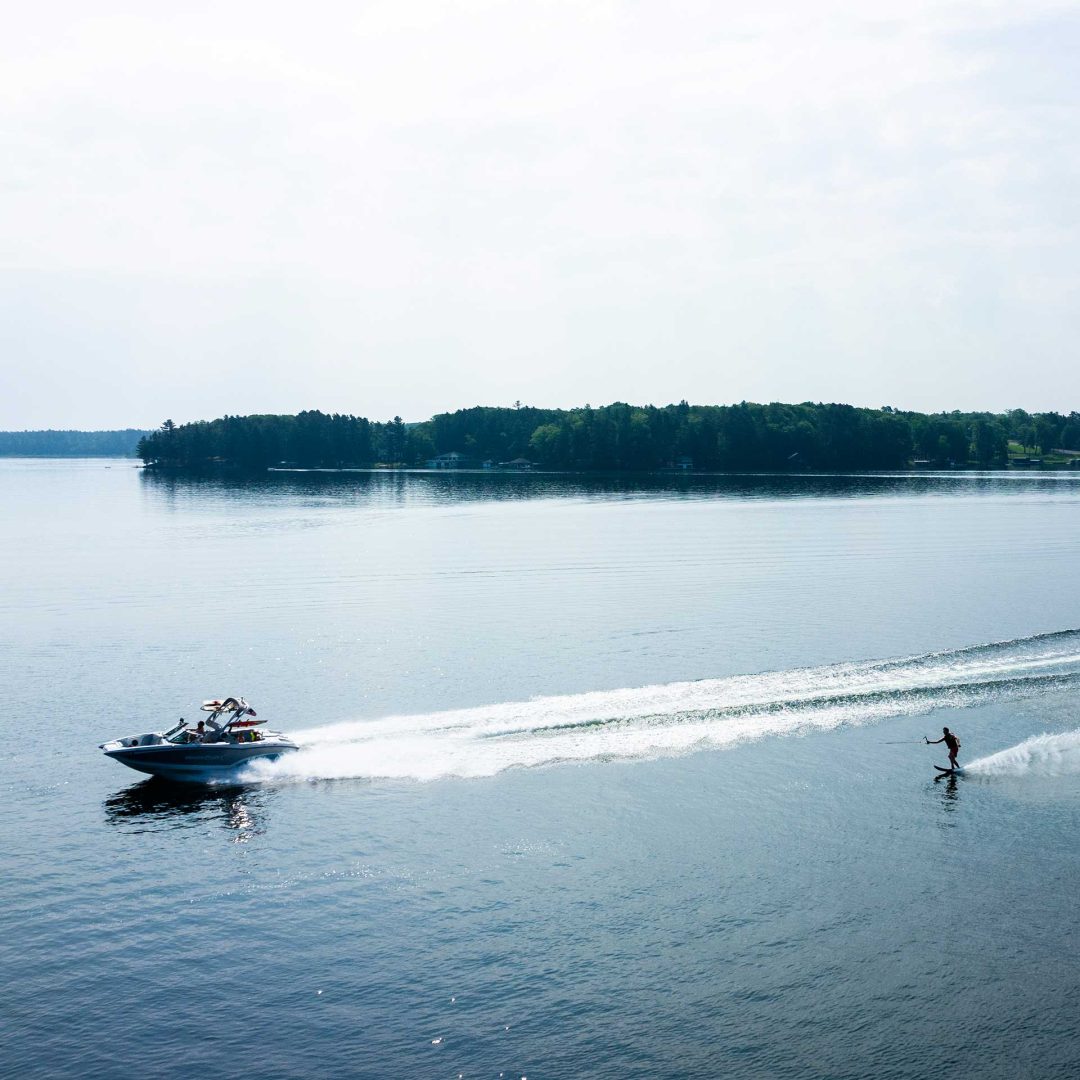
x,y
678,718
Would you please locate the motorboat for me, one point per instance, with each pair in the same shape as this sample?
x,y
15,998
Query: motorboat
x,y
214,750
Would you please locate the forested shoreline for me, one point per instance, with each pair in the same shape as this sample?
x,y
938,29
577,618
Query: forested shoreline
x,y
746,436
120,443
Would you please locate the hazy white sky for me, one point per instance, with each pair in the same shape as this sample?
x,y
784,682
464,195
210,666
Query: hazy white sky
x,y
408,207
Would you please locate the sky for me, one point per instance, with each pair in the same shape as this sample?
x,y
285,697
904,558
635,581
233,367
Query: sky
x,y
412,207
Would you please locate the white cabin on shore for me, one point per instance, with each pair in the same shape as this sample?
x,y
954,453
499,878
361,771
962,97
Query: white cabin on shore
x,y
451,460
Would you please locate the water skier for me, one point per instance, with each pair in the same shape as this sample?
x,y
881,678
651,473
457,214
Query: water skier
x,y
951,742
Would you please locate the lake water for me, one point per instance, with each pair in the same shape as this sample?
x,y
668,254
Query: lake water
x,y
600,777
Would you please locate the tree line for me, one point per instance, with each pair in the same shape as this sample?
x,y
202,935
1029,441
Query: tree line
x,y
746,436
70,443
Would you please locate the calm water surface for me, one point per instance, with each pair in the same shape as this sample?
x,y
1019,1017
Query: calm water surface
x,y
599,777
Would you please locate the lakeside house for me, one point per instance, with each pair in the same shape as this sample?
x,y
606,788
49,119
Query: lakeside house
x,y
679,464
451,460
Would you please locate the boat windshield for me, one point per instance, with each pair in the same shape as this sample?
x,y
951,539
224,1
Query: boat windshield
x,y
185,736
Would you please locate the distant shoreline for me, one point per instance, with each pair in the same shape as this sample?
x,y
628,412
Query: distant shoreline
x,y
809,438
599,473
119,442
747,437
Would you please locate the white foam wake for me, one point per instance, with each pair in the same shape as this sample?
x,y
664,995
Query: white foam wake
x,y
675,718
1042,755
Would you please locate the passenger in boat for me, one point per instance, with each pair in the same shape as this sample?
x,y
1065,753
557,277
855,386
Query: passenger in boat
x,y
200,730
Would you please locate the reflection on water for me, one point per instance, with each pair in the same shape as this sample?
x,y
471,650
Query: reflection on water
x,y
156,804
950,792
387,488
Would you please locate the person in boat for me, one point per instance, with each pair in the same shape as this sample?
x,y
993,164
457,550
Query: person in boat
x,y
951,742
200,730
